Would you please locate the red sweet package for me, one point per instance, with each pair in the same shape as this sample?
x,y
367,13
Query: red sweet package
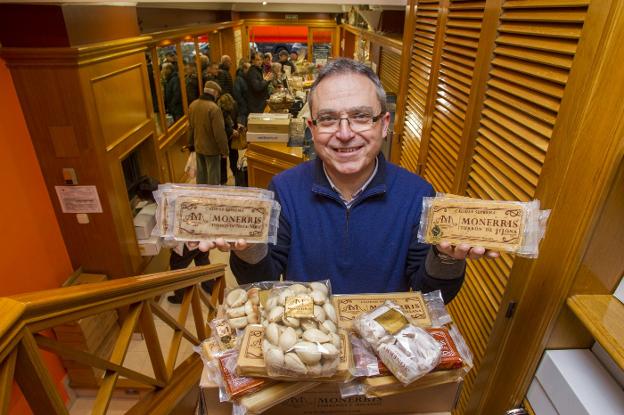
x,y
451,358
237,386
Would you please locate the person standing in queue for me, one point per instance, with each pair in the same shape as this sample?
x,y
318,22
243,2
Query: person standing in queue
x,y
350,215
283,59
207,134
224,79
172,92
240,91
266,62
230,116
257,85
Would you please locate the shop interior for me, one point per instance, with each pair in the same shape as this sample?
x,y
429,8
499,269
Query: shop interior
x,y
496,100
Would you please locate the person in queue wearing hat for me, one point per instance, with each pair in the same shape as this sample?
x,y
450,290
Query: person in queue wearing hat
x,y
283,59
207,135
350,215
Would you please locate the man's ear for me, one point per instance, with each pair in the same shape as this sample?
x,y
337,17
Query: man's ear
x,y
385,124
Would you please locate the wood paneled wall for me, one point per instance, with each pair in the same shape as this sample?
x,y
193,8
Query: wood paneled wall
x,y
72,99
481,101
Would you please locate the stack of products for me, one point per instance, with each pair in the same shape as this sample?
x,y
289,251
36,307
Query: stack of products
x,y
265,127
205,213
144,223
274,340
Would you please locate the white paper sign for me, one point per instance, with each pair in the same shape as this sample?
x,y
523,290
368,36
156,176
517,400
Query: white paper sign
x,y
78,199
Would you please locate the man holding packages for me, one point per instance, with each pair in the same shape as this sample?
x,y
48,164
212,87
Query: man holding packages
x,y
350,215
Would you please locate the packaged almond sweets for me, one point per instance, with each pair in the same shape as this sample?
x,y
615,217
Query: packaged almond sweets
x,y
507,226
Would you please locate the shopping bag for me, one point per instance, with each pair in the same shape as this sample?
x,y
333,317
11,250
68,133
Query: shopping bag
x,y
191,166
239,141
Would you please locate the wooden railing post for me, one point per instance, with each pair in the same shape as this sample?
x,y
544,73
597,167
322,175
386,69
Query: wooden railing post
x,y
34,380
7,369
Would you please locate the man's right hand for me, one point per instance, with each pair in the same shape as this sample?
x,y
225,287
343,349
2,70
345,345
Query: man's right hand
x,y
250,253
223,246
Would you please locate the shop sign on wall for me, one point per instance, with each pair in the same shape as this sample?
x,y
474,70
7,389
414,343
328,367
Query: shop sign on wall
x,y
79,199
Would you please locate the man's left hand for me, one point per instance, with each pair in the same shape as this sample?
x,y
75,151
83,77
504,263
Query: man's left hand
x,y
465,251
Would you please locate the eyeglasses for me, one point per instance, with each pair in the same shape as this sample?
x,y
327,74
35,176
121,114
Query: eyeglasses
x,y
357,122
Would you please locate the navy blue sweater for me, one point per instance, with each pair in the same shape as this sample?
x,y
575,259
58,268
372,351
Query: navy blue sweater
x,y
371,247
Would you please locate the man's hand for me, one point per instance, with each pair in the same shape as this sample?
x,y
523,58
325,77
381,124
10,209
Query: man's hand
x,y
464,251
223,246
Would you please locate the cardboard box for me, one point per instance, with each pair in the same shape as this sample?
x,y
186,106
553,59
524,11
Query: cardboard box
x,y
88,332
539,401
268,123
143,225
576,383
325,399
84,376
253,137
150,246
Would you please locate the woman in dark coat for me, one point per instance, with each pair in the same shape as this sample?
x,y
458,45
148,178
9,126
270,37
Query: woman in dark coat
x,y
257,85
228,107
240,91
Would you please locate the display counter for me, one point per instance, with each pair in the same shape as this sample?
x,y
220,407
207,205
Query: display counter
x,y
265,160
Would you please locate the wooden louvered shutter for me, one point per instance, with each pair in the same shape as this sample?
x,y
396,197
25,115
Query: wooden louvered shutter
x,y
421,61
533,54
390,69
457,64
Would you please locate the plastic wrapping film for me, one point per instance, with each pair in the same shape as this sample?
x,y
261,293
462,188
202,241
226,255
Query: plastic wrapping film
x,y
301,335
205,212
160,196
508,226
365,362
408,351
243,305
455,363
251,357
207,350
231,385
437,310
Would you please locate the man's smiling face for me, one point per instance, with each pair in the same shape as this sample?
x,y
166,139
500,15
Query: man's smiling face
x,y
344,152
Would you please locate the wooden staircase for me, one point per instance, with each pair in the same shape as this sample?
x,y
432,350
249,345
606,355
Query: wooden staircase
x,y
25,321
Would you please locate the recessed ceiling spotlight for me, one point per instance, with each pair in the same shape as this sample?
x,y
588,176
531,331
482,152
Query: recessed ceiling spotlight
x,y
264,3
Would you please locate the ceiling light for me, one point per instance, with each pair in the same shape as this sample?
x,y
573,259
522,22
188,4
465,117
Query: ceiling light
x,y
264,3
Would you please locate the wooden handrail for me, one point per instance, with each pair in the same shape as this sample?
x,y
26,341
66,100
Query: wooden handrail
x,y
24,316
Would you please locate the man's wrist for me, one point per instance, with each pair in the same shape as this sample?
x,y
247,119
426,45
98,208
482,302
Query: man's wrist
x,y
451,268
254,254
444,258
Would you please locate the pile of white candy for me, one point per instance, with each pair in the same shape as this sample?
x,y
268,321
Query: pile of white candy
x,y
300,337
409,352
